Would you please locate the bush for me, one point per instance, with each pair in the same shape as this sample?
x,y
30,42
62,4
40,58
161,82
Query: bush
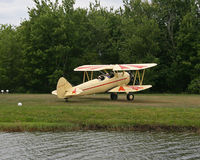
x,y
194,86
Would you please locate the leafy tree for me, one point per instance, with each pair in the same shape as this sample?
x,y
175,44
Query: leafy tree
x,y
57,38
11,74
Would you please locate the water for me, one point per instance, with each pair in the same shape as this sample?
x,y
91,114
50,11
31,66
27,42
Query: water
x,y
99,145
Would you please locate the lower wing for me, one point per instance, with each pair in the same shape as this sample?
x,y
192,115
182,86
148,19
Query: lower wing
x,y
127,89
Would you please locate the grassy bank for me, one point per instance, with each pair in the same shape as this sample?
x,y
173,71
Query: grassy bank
x,y
44,112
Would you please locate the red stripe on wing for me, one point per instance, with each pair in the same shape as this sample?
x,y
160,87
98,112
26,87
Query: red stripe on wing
x,y
91,67
136,66
123,67
135,87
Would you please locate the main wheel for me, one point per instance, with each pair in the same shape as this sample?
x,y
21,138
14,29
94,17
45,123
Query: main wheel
x,y
130,96
113,96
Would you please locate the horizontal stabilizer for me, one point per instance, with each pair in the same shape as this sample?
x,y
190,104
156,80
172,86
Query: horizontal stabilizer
x,y
73,91
54,92
127,89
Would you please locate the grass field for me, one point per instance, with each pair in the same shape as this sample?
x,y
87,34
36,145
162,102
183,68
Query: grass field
x,y
44,112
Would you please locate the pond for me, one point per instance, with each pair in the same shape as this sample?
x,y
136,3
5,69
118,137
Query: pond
x,y
99,145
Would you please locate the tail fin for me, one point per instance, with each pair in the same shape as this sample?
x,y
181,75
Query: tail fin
x,y
62,87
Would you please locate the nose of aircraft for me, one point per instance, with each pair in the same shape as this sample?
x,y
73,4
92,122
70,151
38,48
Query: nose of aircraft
x,y
131,76
128,77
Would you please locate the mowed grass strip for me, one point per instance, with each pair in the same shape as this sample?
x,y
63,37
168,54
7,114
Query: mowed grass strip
x,y
44,112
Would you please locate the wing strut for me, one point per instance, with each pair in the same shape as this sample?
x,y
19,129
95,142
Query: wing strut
x,y
142,77
135,77
85,74
91,75
84,77
139,77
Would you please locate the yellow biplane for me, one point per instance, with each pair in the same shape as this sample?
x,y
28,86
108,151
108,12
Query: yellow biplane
x,y
113,79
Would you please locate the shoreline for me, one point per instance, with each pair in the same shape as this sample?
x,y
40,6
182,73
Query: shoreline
x,y
140,128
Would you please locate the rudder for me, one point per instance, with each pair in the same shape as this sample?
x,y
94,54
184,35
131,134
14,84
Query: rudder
x,y
62,87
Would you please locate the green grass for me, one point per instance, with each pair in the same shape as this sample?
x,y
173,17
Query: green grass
x,y
44,112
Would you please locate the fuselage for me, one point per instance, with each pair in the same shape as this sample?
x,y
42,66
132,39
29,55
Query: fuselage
x,y
106,83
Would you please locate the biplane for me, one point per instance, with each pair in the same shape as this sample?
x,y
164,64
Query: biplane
x,y
114,79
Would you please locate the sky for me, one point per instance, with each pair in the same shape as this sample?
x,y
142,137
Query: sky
x,y
15,11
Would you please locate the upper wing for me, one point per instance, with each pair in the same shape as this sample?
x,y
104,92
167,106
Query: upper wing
x,y
93,67
126,67
115,67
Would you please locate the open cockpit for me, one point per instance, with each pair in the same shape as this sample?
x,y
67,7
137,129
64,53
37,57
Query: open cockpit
x,y
87,75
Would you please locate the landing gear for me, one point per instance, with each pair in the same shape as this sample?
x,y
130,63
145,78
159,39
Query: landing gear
x,y
66,100
113,96
130,96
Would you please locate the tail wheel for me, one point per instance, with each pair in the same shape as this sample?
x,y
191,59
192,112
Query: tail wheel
x,y
66,100
130,96
113,96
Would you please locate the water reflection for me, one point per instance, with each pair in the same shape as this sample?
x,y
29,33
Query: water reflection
x,y
99,145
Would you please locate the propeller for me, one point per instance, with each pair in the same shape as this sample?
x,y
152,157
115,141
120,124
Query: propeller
x,y
131,78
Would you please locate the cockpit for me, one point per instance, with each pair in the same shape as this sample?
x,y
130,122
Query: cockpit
x,y
87,76
103,76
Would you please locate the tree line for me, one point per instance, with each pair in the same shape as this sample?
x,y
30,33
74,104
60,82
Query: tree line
x,y
58,37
